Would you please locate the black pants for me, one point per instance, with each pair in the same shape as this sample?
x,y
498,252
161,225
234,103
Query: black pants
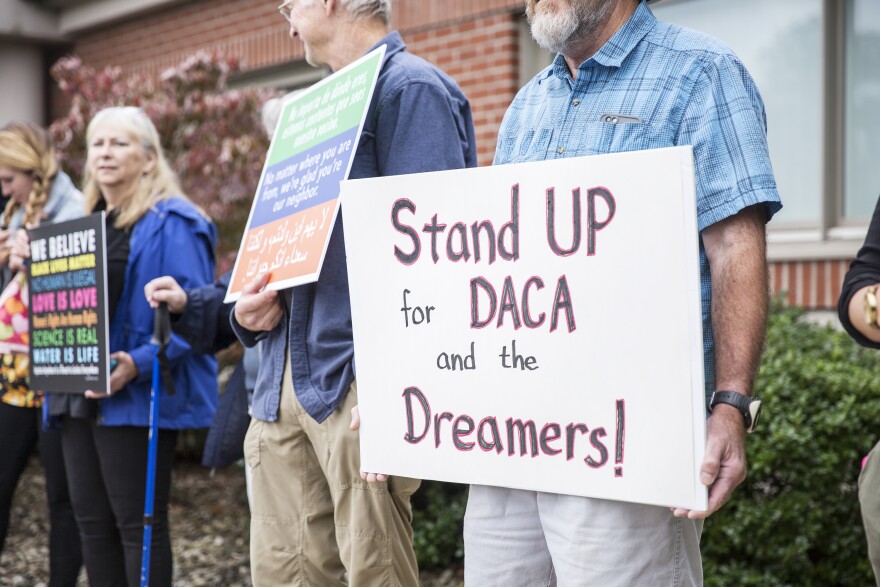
x,y
107,471
20,431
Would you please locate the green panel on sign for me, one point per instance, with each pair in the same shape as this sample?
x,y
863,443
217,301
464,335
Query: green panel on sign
x,y
324,111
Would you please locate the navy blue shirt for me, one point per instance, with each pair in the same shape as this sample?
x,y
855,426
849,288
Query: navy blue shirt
x,y
418,120
204,324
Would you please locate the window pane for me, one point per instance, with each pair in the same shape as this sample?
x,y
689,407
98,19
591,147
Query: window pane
x,y
780,43
862,114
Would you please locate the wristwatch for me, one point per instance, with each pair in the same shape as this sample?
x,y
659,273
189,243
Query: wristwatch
x,y
749,407
871,307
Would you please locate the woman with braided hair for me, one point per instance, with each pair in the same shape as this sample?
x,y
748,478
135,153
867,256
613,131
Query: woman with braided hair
x,y
38,190
39,193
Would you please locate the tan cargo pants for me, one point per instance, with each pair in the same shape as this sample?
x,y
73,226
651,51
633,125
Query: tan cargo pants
x,y
314,521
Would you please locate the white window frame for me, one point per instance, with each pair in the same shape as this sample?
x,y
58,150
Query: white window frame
x,y
833,237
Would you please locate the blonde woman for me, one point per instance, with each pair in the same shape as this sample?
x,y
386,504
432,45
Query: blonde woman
x,y
38,192
152,230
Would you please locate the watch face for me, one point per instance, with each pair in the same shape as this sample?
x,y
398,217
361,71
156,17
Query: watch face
x,y
755,412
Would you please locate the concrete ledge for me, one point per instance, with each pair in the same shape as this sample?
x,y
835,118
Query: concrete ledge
x,y
26,21
90,15
809,244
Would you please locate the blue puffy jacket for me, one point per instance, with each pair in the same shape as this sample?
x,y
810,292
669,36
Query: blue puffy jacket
x,y
172,239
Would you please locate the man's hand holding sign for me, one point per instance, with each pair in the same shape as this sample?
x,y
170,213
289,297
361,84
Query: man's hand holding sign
x,y
735,248
258,309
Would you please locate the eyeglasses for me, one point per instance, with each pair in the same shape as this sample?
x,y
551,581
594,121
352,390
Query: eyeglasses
x,y
285,9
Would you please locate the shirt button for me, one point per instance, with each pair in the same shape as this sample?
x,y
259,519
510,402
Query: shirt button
x,y
560,150
575,102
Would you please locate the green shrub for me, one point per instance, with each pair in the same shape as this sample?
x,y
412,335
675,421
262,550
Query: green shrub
x,y
795,520
438,514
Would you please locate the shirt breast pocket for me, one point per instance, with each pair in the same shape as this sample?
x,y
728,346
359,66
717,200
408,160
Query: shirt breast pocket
x,y
605,137
531,145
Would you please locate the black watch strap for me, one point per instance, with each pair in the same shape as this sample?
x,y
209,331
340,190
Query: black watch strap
x,y
749,407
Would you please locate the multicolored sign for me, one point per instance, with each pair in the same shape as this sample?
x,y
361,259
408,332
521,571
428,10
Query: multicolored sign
x,y
296,202
68,309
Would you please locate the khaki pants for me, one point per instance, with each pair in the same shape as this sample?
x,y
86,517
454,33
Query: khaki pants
x,y
520,537
314,521
869,499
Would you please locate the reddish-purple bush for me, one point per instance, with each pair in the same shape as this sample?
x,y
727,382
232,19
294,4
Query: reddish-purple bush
x,y
213,136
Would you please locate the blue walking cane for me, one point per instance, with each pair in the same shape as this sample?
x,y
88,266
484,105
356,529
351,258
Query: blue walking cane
x,y
161,337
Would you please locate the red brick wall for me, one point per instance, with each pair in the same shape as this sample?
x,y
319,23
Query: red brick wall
x,y
474,41
482,56
811,284
252,31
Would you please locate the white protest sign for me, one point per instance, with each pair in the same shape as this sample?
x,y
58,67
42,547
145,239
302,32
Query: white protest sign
x,y
533,326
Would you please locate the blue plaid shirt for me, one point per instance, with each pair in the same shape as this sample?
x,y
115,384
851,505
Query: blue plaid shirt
x,y
655,85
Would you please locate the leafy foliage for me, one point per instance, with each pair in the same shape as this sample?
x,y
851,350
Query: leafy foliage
x,y
438,518
795,520
213,136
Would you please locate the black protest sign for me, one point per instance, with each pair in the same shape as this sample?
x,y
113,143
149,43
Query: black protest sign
x,y
68,307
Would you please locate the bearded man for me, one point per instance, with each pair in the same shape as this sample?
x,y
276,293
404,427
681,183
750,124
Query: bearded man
x,y
623,81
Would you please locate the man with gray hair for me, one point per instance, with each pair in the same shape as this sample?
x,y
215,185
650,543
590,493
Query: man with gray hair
x,y
314,520
623,81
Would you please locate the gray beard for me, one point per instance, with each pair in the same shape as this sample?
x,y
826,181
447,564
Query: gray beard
x,y
577,21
